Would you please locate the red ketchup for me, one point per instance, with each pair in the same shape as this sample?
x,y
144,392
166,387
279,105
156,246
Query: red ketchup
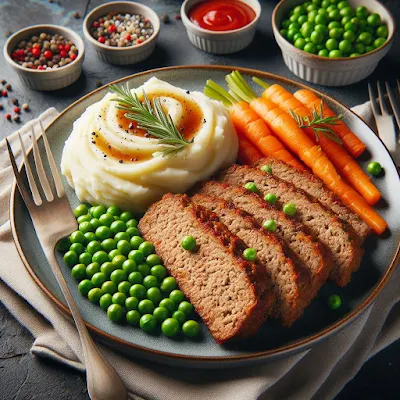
x,y
221,15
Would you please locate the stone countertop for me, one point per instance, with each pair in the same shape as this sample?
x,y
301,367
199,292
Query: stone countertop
x,y
23,376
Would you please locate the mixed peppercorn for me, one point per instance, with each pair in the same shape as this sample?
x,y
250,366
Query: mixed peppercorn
x,y
121,30
44,51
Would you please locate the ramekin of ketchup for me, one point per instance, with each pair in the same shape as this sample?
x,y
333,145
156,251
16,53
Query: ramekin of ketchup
x,y
220,26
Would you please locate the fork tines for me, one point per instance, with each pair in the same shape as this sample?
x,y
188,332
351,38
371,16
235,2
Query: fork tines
x,y
43,179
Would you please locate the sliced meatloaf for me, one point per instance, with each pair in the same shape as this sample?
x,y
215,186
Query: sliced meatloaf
x,y
232,296
291,286
323,224
316,188
302,247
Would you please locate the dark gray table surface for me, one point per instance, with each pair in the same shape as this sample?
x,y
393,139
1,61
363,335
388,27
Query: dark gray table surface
x,y
22,376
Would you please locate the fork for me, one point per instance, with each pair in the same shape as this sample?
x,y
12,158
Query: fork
x,y
384,116
103,382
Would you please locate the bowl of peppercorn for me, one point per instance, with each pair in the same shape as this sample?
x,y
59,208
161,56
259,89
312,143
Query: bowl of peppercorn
x,y
45,57
122,32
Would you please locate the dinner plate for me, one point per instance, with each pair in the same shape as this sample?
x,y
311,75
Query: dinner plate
x,y
273,341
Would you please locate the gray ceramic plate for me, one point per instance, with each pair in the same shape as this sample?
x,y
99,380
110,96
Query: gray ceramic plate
x,y
273,341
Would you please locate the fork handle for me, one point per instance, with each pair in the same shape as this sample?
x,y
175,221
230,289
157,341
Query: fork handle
x,y
103,382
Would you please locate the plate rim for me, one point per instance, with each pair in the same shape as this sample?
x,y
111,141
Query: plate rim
x,y
282,351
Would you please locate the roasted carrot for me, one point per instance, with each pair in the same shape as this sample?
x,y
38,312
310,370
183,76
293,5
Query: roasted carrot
x,y
248,153
350,140
287,130
251,125
338,155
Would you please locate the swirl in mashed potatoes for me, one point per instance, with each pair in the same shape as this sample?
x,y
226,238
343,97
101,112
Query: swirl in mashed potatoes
x,y
108,160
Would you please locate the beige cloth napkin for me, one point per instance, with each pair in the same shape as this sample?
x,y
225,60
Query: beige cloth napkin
x,y
319,373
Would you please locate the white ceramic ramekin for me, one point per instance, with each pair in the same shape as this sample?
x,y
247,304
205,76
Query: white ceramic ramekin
x,y
52,79
123,55
224,42
328,71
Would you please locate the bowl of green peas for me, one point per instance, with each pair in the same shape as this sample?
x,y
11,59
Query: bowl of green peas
x,y
332,42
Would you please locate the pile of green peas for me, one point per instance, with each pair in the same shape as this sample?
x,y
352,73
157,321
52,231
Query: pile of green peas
x,y
332,28
119,270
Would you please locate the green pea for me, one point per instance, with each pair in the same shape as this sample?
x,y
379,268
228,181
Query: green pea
x,y
365,38
154,294
317,37
306,31
91,210
355,55
168,304
168,284
170,327
335,33
138,291
290,208
186,308
294,25
270,225
109,287
133,232
345,20
115,312
131,303
321,19
382,31
118,261
114,210
127,216
325,3
271,198
179,316
107,268
335,54
118,276
92,269
136,241
146,248
161,314
250,254
342,4
335,15
118,298
98,211
71,258
374,168
129,266
135,277
146,306
144,269
124,287
89,237
284,33
368,49
80,210
301,19
100,257
85,258
359,48
370,30
332,7
347,12
86,227
374,20
334,302
150,281
153,259
285,23
118,226
311,7
103,232
362,12
95,295
379,42
124,247
312,15
133,317
113,253
77,248
79,272
177,296
300,10
98,278
105,301
122,236
317,2
95,223
148,322
191,328
106,219
345,46
251,186
267,169
333,24
63,245
323,53
159,271
77,237
108,244
85,286
349,36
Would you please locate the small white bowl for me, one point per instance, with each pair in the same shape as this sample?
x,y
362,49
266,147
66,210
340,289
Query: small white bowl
x,y
123,55
331,71
220,42
52,79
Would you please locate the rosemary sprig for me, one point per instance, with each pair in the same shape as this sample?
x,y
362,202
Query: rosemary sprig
x,y
316,123
151,118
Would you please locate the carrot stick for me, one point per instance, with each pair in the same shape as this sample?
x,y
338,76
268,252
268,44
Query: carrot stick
x,y
248,153
345,164
287,130
350,141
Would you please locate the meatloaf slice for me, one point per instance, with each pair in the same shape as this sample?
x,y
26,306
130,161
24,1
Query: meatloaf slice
x,y
286,280
302,247
232,296
316,188
320,222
